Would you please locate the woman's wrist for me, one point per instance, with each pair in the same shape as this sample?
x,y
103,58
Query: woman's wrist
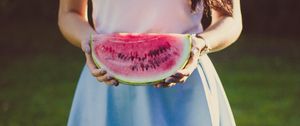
x,y
206,47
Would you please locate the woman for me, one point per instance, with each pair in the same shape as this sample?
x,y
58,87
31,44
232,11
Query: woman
x,y
194,96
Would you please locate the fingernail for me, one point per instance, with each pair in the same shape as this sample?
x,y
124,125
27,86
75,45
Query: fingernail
x,y
87,49
170,85
168,80
116,83
177,74
157,86
102,71
108,77
194,50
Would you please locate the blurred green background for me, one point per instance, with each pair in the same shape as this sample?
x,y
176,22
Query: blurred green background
x,y
39,69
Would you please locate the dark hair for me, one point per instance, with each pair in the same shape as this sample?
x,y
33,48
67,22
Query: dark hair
x,y
224,6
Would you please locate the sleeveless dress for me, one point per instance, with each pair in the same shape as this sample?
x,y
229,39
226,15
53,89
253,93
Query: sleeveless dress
x,y
200,101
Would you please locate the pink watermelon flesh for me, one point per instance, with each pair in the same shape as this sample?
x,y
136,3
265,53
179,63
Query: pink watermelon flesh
x,y
140,58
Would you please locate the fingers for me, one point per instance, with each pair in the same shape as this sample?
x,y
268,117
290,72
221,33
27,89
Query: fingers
x,y
89,62
107,79
169,84
176,79
164,85
112,82
85,46
100,74
192,60
170,81
198,43
181,75
182,80
188,69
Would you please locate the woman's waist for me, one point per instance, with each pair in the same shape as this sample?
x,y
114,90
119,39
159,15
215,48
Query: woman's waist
x,y
144,26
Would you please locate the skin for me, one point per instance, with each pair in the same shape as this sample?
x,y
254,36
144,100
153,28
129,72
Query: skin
x,y
222,32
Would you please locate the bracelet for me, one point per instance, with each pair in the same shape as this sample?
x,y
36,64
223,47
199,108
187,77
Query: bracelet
x,y
206,47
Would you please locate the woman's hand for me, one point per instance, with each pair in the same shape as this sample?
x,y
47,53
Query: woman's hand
x,y
181,75
100,74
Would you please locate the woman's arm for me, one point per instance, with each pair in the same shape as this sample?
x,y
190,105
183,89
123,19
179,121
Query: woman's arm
x,y
224,29
222,32
73,22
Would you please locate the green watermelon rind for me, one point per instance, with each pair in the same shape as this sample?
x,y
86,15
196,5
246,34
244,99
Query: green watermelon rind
x,y
187,37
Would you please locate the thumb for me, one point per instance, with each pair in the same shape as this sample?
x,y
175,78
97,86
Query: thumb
x,y
85,46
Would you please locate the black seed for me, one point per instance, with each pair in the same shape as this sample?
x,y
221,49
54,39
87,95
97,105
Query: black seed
x,y
156,63
119,55
154,53
168,45
133,68
153,66
157,52
142,66
161,49
127,58
122,56
147,66
150,54
164,49
132,58
136,55
110,49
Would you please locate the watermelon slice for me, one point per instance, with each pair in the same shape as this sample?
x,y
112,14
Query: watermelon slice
x,y
140,58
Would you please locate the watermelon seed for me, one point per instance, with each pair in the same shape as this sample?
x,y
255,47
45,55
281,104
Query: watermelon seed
x,y
142,66
132,58
133,68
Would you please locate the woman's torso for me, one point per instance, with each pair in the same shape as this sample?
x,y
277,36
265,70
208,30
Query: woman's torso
x,y
146,16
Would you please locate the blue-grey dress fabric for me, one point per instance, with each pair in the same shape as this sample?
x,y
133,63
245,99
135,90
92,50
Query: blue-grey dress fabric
x,y
200,101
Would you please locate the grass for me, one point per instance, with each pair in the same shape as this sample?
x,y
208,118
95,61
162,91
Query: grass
x,y
262,94
39,71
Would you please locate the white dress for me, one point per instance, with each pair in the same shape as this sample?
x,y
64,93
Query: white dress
x,y
200,101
